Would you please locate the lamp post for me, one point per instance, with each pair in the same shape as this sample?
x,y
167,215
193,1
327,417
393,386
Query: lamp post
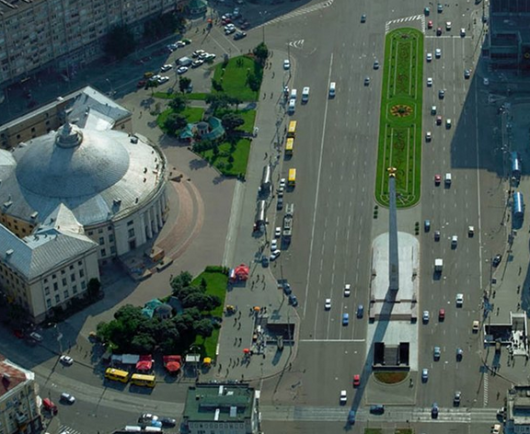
x,y
263,14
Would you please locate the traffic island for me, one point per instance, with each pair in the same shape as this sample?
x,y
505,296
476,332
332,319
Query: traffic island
x,y
400,130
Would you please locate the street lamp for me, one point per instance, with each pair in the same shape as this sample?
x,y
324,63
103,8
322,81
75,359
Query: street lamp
x,y
262,15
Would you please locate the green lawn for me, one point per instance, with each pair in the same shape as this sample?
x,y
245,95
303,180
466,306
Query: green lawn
x,y
249,116
216,284
400,130
197,96
192,114
240,154
233,77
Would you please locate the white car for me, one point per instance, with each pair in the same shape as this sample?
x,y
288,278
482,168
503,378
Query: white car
x,y
459,300
230,30
486,81
163,79
180,44
429,57
305,94
462,32
448,25
343,397
292,106
454,241
278,232
182,69
428,136
448,123
327,304
275,254
66,360
429,81
229,27
283,183
66,397
426,316
166,68
274,244
438,53
347,290
286,64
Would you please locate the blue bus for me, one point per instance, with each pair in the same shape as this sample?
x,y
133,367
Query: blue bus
x,y
518,205
516,165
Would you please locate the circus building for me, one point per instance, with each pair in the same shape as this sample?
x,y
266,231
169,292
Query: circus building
x,y
71,200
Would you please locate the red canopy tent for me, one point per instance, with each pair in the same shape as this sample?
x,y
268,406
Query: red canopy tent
x,y
172,363
240,272
145,363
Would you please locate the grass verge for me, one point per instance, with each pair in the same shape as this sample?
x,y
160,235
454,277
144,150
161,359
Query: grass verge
x,y
400,130
192,115
230,160
233,77
249,116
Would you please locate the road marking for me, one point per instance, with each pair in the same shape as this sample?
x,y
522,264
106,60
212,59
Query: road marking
x,y
405,20
297,44
298,12
317,190
486,387
332,340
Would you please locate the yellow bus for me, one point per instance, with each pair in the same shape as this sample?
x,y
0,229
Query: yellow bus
x,y
291,132
289,146
117,375
291,181
143,380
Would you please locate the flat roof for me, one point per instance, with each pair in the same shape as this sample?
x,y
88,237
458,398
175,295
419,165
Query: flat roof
x,y
219,403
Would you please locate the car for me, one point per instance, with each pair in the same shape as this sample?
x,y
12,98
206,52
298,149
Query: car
x,y
360,311
347,290
426,11
351,417
428,136
197,63
454,241
459,354
424,375
230,30
457,398
441,94
274,244
165,68
356,380
448,25
36,337
182,43
436,235
436,353
476,326
434,411
264,262
363,18
439,31
197,53
66,360
209,56
287,289
293,301
459,300
441,315
163,79
426,316
239,35
462,32
471,231
275,254
440,8
438,120
244,25
437,179
68,398
345,319
182,69
141,83
327,304
377,409
279,203
427,225
438,53
278,232
429,57
433,110
467,73
343,397
153,423
171,47
366,81
448,123
283,183
496,429
147,417
486,81
305,94
429,24
168,422
376,64
429,81
286,64
496,260
236,13
292,106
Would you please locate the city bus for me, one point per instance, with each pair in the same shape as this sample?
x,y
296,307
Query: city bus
x,y
291,181
117,375
289,146
291,132
143,380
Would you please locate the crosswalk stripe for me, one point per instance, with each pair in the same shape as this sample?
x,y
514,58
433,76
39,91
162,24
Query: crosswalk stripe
x,y
299,12
63,429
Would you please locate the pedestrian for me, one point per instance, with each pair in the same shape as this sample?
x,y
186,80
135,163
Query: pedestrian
x,y
272,93
239,326
273,74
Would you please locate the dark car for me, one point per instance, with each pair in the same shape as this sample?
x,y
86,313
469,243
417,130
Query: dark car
x,y
363,18
287,289
440,8
459,354
265,261
239,35
434,411
360,311
441,94
496,260
439,31
377,409
168,422
351,417
293,301
467,73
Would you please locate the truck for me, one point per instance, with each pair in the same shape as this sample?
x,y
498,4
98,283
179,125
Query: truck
x,y
288,221
438,265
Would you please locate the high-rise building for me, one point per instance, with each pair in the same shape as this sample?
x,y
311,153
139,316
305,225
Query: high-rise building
x,y
63,34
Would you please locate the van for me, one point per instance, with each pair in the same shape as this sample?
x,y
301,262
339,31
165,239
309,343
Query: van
x,y
184,61
293,94
447,179
332,87
48,405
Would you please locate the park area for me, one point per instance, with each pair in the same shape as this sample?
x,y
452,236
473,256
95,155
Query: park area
x,y
400,130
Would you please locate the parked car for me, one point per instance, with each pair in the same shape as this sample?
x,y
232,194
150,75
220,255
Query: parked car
x,y
68,398
66,360
182,69
168,422
293,301
239,35
496,260
287,289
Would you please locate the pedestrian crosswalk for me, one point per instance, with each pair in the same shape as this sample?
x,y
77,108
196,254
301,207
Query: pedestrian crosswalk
x,y
63,429
299,12
398,21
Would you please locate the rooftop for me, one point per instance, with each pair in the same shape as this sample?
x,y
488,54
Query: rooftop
x,y
219,403
518,408
12,375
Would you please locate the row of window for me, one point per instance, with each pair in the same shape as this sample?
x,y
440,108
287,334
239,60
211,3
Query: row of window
x,y
71,267
66,295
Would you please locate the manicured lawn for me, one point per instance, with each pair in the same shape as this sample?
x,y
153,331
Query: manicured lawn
x,y
234,77
240,154
192,114
400,131
249,116
391,377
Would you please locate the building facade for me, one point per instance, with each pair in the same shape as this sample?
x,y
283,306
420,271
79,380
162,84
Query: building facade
x,y
221,409
19,406
63,33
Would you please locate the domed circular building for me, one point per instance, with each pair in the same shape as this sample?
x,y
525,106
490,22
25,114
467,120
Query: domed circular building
x,y
112,183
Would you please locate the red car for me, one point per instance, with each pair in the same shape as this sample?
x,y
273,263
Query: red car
x,y
441,314
437,179
356,380
439,31
429,24
141,83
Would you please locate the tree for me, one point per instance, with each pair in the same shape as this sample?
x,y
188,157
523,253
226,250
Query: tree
x,y
204,327
184,83
93,287
261,52
231,121
119,42
182,280
142,343
218,101
175,122
178,103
